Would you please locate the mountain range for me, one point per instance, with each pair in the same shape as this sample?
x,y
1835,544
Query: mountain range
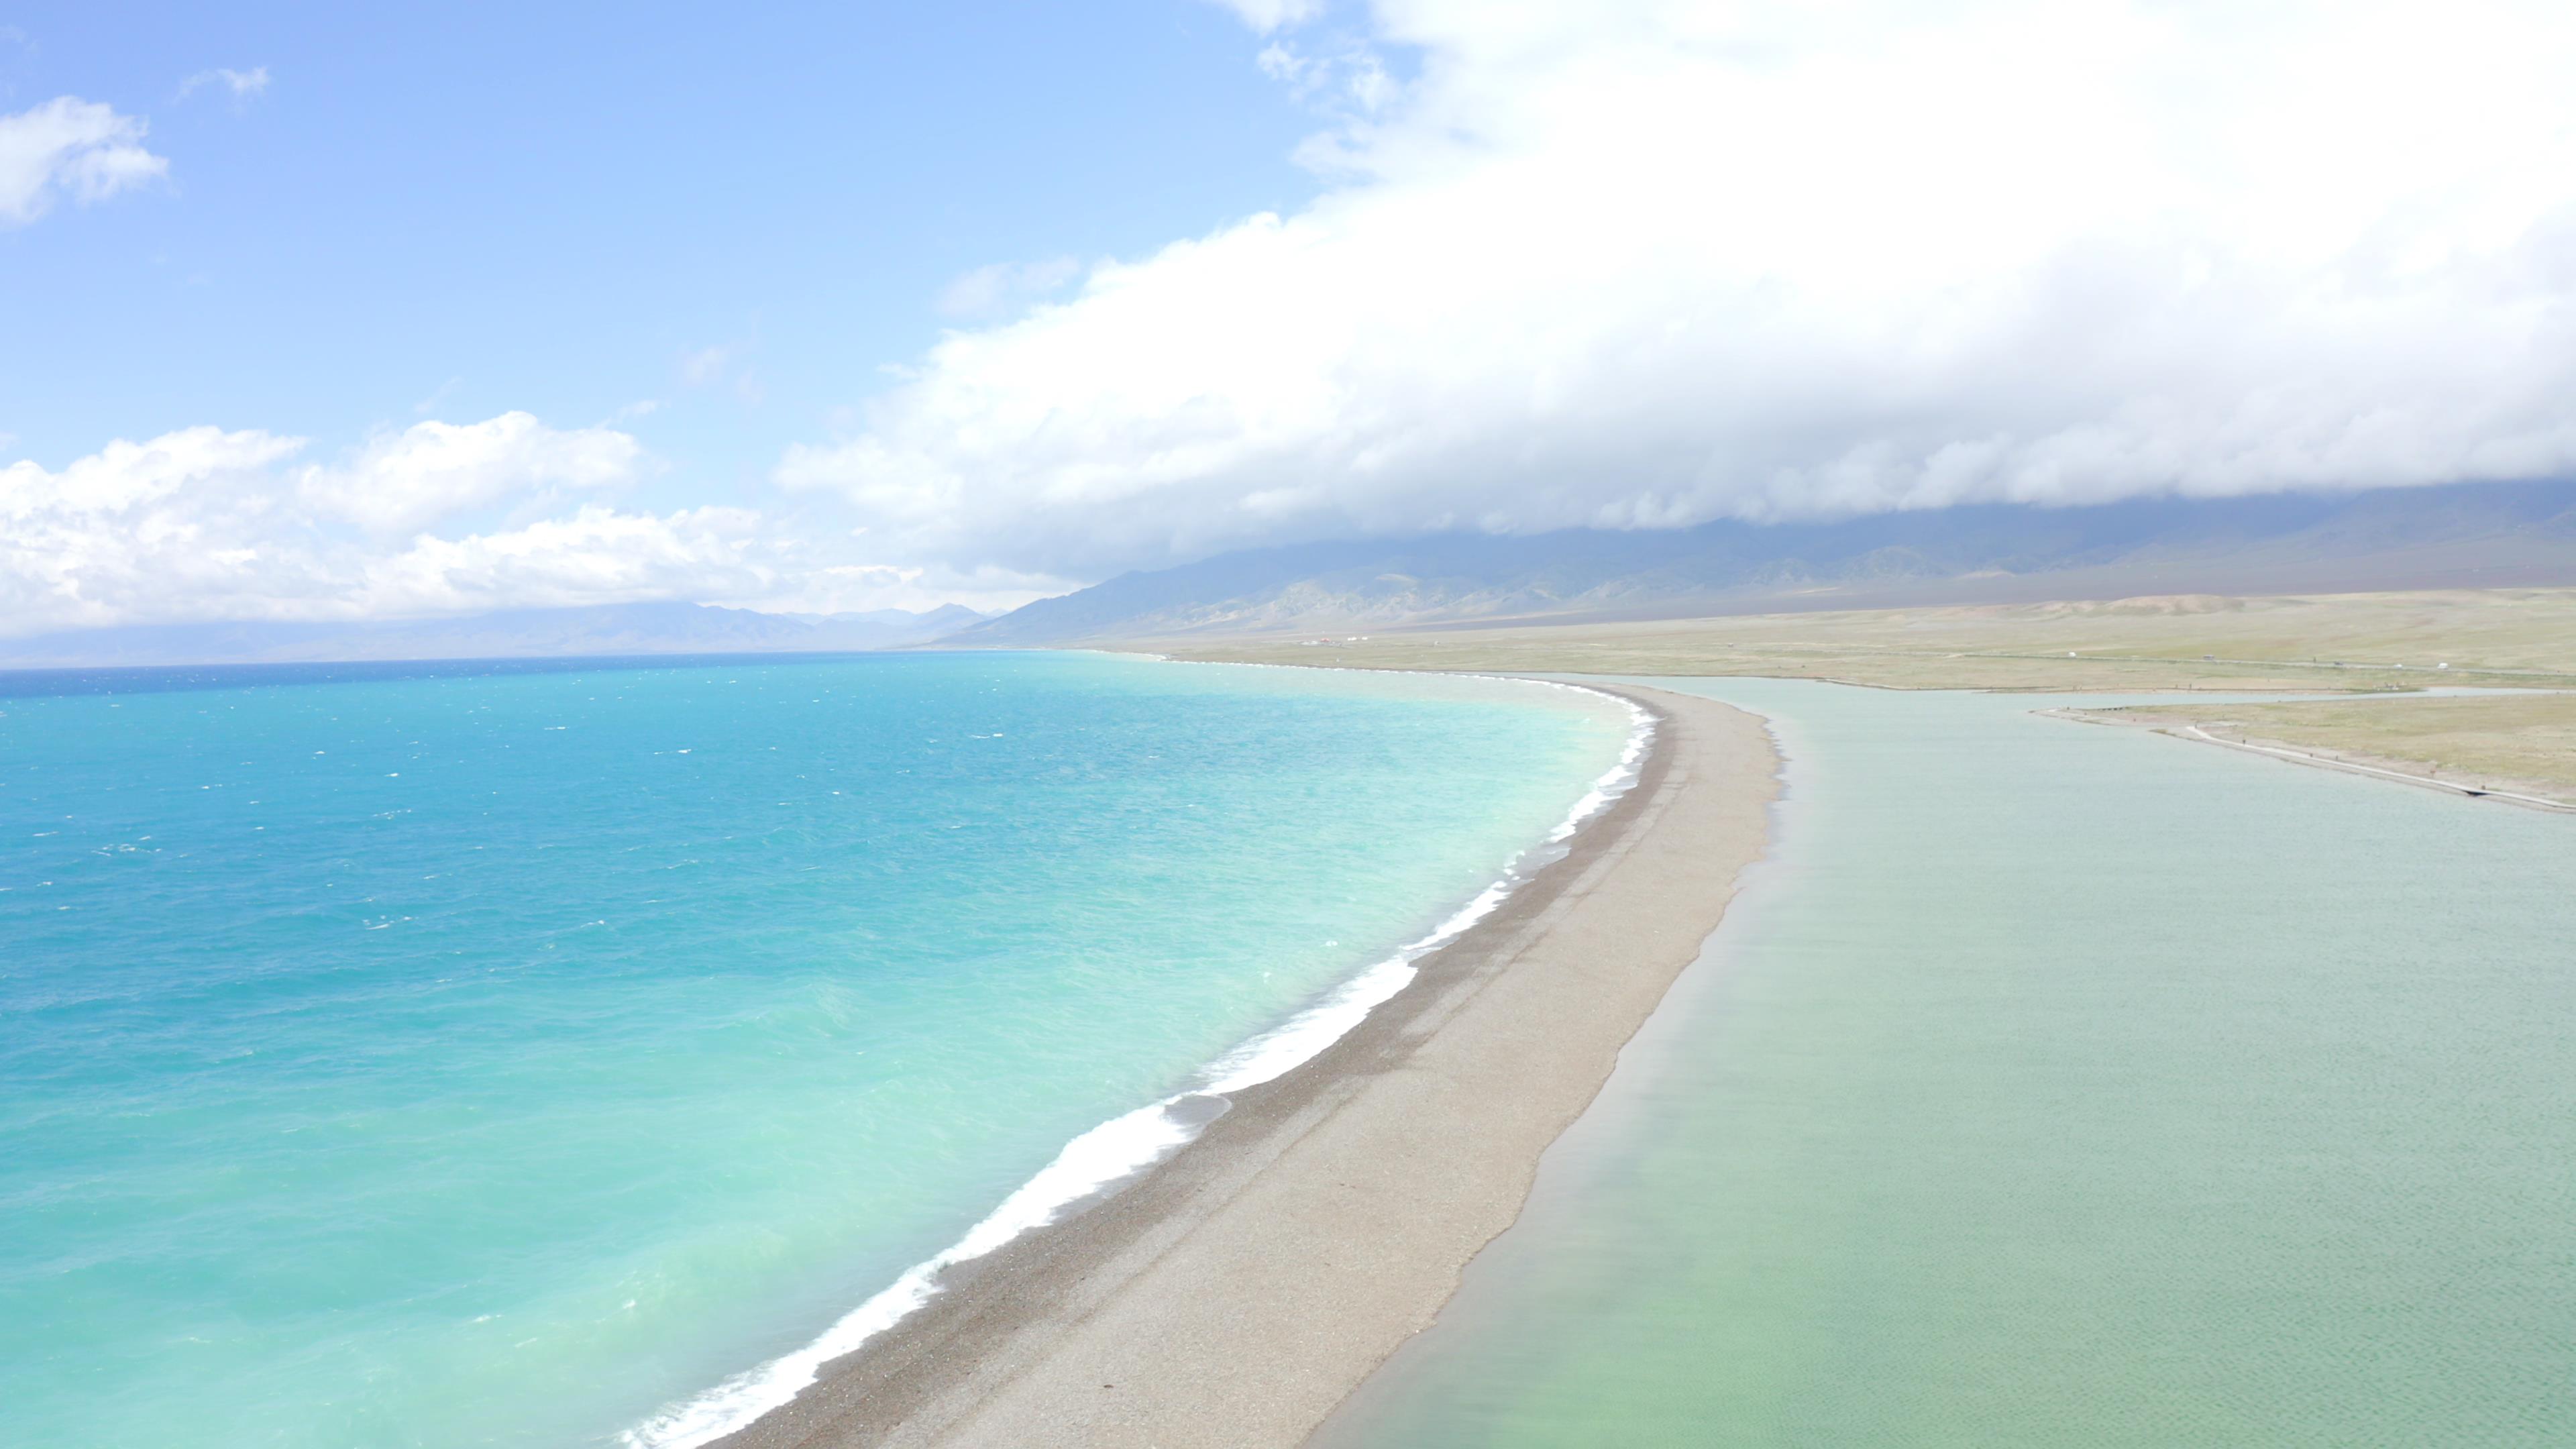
x,y
2461,536
2472,535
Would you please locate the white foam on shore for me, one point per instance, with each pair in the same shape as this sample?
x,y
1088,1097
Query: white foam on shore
x,y
1319,1026
1123,1147
1116,1149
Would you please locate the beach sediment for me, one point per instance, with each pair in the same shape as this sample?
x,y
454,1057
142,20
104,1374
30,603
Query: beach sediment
x,y
1236,1293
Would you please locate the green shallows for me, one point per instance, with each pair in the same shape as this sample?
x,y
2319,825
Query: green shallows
x,y
2060,1086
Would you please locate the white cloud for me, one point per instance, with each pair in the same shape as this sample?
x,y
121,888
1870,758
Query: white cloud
x,y
186,516
400,481
242,84
70,147
989,292
1269,15
123,477
205,524
597,555
217,525
1643,264
1348,78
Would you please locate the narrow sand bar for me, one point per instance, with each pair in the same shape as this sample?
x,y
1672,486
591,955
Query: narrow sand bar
x,y
1232,1296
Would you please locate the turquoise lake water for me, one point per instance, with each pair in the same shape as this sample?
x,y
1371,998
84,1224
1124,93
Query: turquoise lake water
x,y
2057,1085
500,1056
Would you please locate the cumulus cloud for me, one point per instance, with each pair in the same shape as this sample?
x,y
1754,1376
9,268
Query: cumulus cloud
x,y
70,147
210,524
181,518
1640,263
398,482
597,555
1269,15
205,523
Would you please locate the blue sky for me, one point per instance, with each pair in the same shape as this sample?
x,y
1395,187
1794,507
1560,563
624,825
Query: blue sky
x,y
455,210
332,312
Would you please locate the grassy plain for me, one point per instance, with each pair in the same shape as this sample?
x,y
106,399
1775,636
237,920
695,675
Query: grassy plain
x,y
2391,644
2520,742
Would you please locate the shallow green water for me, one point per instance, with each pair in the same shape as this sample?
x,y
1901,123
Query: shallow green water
x,y
2061,1085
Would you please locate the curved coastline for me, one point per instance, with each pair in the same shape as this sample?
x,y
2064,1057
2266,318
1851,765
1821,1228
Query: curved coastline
x,y
1103,1159
1297,1215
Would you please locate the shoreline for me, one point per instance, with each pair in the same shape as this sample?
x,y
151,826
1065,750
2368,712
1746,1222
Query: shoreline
x,y
1102,1161
2368,767
1234,1293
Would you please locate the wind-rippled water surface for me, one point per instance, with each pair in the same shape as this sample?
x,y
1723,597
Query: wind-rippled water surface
x,y
2055,1086
492,1056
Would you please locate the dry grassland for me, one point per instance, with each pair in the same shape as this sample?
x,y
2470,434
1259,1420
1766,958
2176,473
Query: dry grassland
x,y
2385,646
2525,743
2352,642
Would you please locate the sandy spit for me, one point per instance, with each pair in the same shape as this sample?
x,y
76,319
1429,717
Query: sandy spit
x,y
1235,1294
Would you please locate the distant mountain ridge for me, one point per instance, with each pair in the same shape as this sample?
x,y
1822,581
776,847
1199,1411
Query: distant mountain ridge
x,y
2471,535
601,629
